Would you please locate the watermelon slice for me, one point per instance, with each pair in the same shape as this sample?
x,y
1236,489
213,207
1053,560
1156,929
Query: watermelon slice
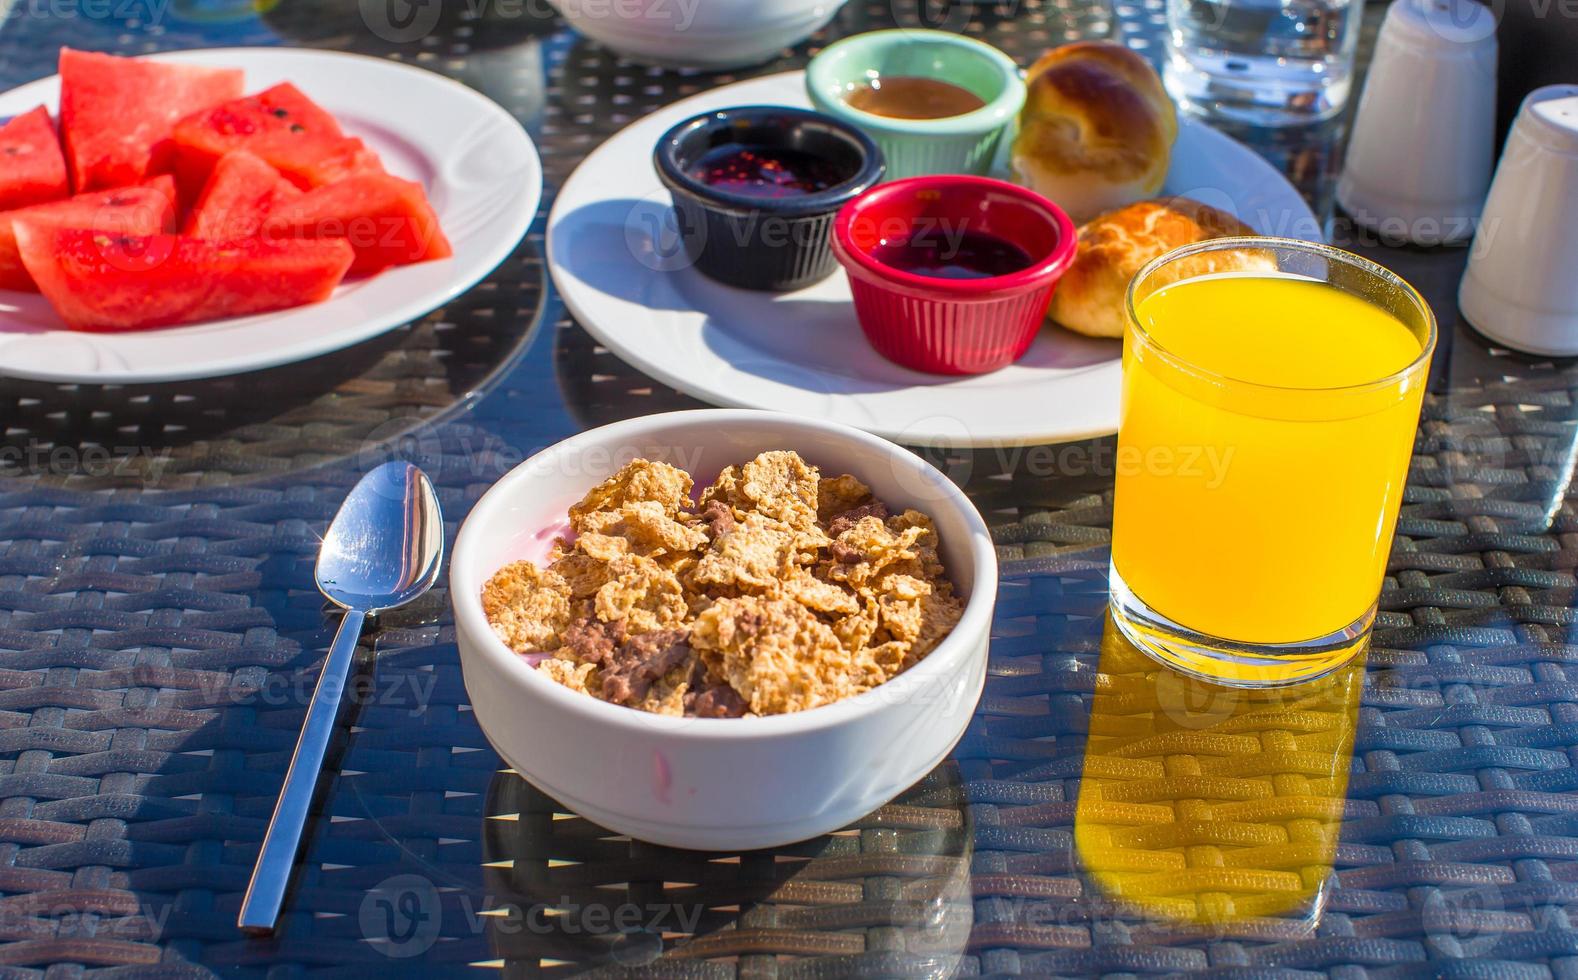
x,y
280,126
239,195
32,170
387,220
99,281
145,210
116,114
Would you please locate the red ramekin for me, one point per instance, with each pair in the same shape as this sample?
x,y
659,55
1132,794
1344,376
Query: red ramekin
x,y
952,326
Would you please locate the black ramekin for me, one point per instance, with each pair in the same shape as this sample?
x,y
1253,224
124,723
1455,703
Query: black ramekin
x,y
774,244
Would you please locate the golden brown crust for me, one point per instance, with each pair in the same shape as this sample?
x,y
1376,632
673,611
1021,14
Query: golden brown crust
x,y
1114,59
1097,128
1116,245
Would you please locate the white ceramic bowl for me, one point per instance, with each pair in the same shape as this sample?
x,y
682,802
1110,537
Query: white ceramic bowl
x,y
720,783
698,33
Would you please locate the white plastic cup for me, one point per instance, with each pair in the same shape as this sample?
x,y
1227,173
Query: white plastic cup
x,y
1521,288
1419,160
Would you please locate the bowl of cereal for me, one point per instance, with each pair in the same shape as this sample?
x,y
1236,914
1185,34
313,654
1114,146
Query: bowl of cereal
x,y
723,629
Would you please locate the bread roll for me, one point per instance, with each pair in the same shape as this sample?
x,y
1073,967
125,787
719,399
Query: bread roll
x,y
1090,297
1097,129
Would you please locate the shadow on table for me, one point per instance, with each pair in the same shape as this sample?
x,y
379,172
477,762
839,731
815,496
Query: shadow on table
x,y
284,420
887,896
626,248
385,27
193,824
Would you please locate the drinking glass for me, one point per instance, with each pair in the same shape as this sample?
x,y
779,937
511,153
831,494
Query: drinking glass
x,y
1254,507
1262,62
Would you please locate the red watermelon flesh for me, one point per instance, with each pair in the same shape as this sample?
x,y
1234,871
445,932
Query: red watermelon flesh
x,y
240,194
116,114
387,220
143,210
110,282
280,126
349,157
164,184
32,169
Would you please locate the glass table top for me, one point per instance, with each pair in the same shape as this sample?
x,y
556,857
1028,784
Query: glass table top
x,y
1413,815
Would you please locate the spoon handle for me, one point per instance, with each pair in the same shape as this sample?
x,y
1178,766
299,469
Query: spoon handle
x,y
266,893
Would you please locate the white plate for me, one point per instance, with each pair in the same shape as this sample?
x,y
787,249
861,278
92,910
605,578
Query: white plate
x,y
612,253
480,169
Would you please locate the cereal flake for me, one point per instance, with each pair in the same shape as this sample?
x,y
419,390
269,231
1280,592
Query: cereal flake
x,y
779,656
527,606
639,480
756,553
641,593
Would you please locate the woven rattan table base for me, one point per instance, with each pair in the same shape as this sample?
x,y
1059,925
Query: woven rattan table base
x,y
157,648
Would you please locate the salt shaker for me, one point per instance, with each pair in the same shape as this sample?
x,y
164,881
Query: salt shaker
x,y
1521,288
1419,159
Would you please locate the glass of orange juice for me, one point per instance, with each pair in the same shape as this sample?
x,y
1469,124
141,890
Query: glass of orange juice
x,y
1271,392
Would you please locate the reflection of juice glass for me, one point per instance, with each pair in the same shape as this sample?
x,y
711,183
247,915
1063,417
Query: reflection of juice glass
x,y
1213,805
1268,418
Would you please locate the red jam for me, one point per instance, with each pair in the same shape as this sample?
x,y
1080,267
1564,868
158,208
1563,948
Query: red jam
x,y
756,171
944,255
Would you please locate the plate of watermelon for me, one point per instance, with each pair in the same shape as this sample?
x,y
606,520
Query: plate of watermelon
x,y
205,213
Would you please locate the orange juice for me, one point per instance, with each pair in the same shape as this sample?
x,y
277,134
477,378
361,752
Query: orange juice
x,y
1266,428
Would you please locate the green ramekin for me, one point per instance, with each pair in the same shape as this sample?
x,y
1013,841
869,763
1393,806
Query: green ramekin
x,y
963,144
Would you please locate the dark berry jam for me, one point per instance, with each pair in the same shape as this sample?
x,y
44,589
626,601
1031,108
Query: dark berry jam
x,y
953,255
757,171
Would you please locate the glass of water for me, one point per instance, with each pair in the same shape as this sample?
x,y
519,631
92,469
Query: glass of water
x,y
1262,62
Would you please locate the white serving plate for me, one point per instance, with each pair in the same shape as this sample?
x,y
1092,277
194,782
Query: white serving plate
x,y
480,169
613,255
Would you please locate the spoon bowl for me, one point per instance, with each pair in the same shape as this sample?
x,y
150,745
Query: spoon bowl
x,y
386,544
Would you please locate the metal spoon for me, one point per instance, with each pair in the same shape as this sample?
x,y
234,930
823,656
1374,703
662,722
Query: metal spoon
x,y
384,549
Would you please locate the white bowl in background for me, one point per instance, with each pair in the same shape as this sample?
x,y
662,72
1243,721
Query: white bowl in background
x,y
698,33
720,783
